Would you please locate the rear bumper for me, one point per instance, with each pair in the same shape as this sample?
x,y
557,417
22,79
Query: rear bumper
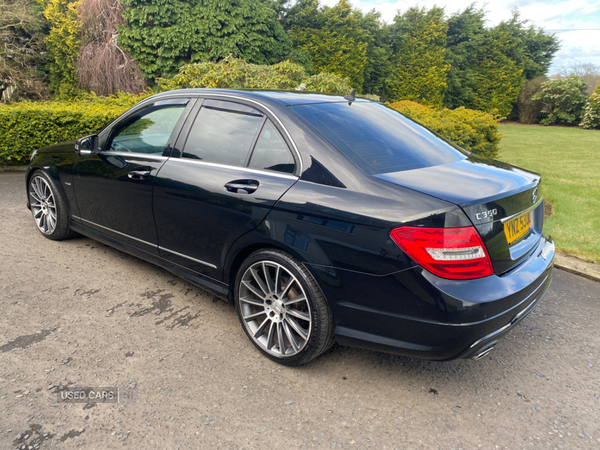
x,y
415,313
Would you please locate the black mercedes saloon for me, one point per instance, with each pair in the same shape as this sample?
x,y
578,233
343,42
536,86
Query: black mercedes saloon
x,y
321,218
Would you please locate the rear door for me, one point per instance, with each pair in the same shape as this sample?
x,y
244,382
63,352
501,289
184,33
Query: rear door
x,y
231,165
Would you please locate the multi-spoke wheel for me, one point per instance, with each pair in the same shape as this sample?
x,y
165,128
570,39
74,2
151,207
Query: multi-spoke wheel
x,y
43,206
48,207
282,309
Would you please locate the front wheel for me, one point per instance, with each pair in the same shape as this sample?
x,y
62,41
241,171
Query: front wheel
x,y
282,309
48,207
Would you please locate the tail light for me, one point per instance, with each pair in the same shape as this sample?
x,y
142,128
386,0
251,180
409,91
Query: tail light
x,y
454,253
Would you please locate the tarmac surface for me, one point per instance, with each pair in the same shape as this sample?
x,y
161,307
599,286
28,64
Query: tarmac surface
x,y
81,313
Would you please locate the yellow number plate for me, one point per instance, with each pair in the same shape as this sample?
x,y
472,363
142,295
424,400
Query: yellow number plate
x,y
517,227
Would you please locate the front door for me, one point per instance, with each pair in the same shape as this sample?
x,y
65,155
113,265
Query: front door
x,y
232,167
114,187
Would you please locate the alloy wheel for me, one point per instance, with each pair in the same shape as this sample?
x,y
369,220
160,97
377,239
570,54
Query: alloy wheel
x,y
274,309
43,205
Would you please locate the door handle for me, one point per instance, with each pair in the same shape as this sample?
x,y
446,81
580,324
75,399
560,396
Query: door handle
x,y
139,174
242,186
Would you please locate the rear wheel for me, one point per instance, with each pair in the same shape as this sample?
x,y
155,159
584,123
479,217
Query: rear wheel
x,y
48,207
282,309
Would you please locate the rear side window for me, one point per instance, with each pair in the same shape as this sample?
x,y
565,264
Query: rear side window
x,y
223,132
376,138
271,152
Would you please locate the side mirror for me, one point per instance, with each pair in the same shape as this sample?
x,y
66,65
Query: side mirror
x,y
87,145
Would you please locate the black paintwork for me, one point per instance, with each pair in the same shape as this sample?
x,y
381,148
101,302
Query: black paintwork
x,y
330,215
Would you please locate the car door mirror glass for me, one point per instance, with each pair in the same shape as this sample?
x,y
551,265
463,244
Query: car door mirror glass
x,y
87,145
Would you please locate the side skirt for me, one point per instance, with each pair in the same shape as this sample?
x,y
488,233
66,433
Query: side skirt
x,y
215,287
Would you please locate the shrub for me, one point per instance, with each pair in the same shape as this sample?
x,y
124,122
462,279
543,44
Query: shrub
x,y
528,109
562,100
474,131
63,44
591,112
27,126
233,73
372,97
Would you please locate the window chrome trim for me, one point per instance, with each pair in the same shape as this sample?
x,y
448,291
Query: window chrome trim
x,y
187,257
125,154
242,168
262,105
202,95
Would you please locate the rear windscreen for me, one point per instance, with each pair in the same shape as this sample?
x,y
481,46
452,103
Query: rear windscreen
x,y
377,138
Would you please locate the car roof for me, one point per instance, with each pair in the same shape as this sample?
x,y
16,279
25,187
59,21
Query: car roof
x,y
284,98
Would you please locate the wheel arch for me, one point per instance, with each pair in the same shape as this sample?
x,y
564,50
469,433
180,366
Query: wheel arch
x,y
235,262
52,171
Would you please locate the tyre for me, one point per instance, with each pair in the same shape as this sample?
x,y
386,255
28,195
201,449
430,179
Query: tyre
x,y
282,309
48,207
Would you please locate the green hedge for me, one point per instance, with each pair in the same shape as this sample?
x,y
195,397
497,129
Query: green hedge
x,y
27,126
474,131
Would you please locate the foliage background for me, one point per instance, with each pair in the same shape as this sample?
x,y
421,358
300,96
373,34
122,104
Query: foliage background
x,y
63,43
474,131
22,50
234,73
562,100
27,126
162,35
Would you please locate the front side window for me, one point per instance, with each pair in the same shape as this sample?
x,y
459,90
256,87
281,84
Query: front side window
x,y
271,152
223,132
149,131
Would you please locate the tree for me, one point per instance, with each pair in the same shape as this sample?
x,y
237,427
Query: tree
x,y
162,35
63,44
535,48
563,100
499,78
378,55
466,35
334,38
419,49
486,64
22,28
103,67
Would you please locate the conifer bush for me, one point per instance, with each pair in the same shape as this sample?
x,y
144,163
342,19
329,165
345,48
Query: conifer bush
x,y
475,131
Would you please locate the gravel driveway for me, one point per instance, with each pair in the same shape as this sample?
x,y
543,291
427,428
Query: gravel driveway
x,y
80,313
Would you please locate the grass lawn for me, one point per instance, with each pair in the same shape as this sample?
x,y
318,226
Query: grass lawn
x,y
569,161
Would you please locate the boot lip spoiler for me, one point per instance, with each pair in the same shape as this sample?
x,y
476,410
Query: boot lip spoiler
x,y
525,211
